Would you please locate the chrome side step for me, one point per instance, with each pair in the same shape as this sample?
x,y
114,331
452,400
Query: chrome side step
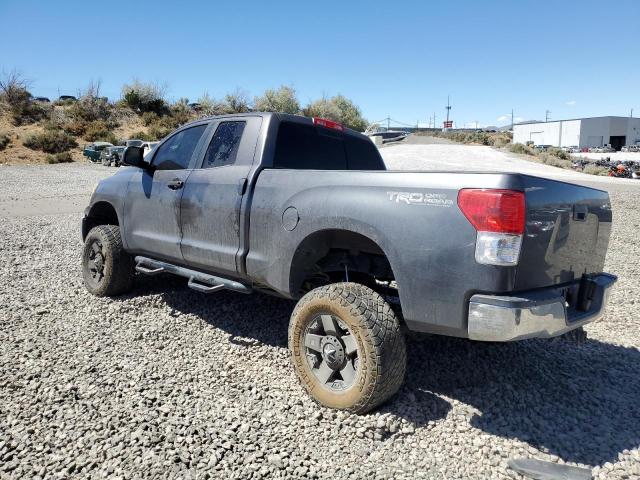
x,y
201,282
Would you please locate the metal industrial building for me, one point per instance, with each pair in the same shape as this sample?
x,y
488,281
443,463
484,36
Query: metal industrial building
x,y
581,132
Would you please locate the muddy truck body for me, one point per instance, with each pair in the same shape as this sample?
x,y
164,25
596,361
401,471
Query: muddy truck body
x,y
305,209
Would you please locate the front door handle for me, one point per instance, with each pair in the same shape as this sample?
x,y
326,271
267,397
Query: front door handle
x,y
175,184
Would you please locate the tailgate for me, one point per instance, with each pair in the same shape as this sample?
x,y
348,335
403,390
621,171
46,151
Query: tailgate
x,y
566,234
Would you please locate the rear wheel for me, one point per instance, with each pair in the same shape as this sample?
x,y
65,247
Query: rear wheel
x,y
106,268
347,347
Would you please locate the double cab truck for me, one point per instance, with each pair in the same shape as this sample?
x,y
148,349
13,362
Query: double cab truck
x,y
305,209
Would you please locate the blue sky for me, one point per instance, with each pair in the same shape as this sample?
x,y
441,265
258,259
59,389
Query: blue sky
x,y
574,58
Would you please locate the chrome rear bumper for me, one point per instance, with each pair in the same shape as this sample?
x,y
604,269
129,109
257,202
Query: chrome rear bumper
x,y
539,314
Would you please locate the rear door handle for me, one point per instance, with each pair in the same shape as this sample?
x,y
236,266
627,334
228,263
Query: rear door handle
x,y
175,184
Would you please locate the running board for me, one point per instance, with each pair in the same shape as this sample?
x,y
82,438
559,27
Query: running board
x,y
201,282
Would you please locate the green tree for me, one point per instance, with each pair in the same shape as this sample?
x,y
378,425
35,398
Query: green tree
x,y
350,114
282,100
339,109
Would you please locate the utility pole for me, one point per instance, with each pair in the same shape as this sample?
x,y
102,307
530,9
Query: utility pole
x,y
512,119
388,122
476,124
631,113
448,107
546,115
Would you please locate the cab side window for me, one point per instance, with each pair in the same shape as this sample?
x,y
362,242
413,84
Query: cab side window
x,y
223,148
176,152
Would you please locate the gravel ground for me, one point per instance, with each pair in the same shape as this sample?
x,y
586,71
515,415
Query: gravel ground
x,y
169,383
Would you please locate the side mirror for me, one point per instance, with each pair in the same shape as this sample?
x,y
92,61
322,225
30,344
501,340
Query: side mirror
x,y
134,156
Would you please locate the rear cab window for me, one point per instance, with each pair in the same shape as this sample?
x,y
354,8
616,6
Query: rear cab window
x,y
223,148
310,147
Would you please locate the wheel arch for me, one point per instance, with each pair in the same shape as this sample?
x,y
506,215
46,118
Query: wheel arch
x,y
100,213
329,251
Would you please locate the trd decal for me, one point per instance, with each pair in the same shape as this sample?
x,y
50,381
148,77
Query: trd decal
x,y
417,198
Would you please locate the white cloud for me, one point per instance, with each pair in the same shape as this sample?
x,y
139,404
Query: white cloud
x,y
519,119
571,103
503,118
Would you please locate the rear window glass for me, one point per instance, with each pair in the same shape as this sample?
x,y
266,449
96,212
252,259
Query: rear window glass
x,y
223,148
301,146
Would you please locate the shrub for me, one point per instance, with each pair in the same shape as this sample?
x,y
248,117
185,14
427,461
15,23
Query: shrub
x,y
90,106
16,99
211,106
149,118
76,127
99,131
64,157
282,100
520,148
50,141
554,161
158,132
4,141
595,170
144,97
558,152
144,136
339,109
237,102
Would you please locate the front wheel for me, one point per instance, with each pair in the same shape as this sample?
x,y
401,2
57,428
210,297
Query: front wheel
x,y
346,347
106,268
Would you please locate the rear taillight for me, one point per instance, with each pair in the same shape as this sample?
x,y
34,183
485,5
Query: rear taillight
x,y
498,216
323,122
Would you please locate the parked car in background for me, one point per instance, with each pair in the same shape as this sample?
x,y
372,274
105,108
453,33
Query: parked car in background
x,y
41,99
67,98
133,143
542,147
572,149
94,150
112,155
148,146
630,148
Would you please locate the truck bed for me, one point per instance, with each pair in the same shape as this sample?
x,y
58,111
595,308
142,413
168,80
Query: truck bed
x,y
415,219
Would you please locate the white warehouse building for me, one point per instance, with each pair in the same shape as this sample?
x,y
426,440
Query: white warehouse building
x,y
581,132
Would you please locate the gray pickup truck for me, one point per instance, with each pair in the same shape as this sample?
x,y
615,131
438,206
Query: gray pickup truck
x,y
304,209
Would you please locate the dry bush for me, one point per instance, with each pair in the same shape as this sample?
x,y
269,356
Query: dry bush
x,y
90,106
17,101
520,148
144,136
596,170
149,118
4,141
99,131
282,100
339,109
554,161
210,106
64,157
76,127
237,102
145,97
50,141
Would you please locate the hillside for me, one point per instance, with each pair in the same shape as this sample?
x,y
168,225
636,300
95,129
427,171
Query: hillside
x,y
34,131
